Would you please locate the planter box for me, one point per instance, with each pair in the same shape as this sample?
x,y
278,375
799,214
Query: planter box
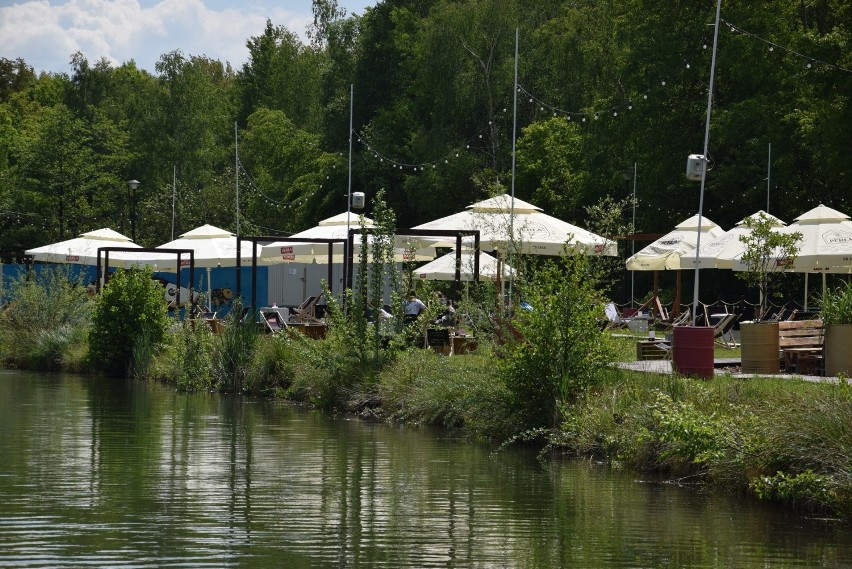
x,y
759,347
838,350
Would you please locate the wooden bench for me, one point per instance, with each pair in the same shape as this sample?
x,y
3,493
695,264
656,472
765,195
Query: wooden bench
x,y
801,343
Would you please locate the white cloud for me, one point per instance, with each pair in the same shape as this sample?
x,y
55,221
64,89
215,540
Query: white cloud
x,y
46,34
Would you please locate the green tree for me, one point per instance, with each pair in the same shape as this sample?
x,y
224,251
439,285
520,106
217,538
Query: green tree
x,y
767,252
129,315
560,350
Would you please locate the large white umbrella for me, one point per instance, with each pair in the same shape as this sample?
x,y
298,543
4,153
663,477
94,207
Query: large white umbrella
x,y
82,250
665,253
826,243
213,247
534,232
444,268
825,247
723,251
337,227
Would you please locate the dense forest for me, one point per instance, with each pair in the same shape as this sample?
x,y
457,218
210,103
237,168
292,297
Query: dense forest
x,y
603,85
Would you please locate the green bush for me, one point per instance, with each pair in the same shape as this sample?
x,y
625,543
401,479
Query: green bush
x,y
560,350
837,305
459,392
130,312
185,357
233,351
273,366
46,323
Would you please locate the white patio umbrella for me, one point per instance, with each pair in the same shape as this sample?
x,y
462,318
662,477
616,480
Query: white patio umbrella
x,y
826,240
723,251
444,268
213,247
826,245
82,250
534,232
664,254
337,227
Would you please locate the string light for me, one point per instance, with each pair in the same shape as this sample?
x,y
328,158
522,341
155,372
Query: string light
x,y
772,45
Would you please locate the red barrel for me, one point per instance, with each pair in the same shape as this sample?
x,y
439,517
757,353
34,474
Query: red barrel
x,y
692,351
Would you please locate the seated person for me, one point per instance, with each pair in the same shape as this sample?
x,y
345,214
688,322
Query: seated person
x,y
413,307
448,318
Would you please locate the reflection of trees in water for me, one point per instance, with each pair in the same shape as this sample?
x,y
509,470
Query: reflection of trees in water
x,y
128,471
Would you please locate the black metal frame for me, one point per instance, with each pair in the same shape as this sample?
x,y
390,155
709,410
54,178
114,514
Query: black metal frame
x,y
271,239
457,233
177,252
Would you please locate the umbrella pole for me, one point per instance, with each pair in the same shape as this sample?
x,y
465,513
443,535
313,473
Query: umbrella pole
x,y
209,291
805,303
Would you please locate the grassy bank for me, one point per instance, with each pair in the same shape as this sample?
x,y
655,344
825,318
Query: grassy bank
x,y
784,440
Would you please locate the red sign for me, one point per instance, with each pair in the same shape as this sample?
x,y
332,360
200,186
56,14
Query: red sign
x,y
598,249
288,257
287,249
184,262
72,258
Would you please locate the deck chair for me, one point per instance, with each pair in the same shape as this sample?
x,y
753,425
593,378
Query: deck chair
x,y
723,327
273,321
307,311
613,318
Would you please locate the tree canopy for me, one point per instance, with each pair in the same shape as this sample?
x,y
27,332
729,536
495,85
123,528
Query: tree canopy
x,y
603,84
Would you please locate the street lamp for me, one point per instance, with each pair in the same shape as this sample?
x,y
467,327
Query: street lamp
x,y
133,185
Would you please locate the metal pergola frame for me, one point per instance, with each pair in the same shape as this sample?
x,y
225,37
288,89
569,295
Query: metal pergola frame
x,y
177,252
273,239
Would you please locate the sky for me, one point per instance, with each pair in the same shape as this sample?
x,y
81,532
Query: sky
x,y
45,33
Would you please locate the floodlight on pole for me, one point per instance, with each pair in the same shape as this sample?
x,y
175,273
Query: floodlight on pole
x,y
133,185
703,161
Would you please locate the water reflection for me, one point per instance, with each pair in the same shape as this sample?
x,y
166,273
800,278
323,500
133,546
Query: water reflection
x,y
100,472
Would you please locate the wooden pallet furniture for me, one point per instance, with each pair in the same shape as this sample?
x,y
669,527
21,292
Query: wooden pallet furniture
x,y
651,350
801,345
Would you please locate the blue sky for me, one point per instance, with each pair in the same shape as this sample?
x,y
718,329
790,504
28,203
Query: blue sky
x,y
46,32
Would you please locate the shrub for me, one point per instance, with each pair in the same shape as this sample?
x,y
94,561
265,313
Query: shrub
x,y
273,366
185,357
460,392
234,350
130,312
560,350
46,323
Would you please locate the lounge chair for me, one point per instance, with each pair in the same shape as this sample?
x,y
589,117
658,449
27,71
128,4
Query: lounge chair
x,y
272,321
307,311
614,319
722,327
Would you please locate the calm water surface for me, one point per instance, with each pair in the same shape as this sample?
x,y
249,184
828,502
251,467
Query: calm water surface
x,y
114,473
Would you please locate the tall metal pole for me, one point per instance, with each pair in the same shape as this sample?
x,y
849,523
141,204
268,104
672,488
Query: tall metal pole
x,y
633,241
174,193
514,138
704,161
768,173
237,174
349,180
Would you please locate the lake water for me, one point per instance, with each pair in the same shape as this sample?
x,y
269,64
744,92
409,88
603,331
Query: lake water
x,y
108,473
